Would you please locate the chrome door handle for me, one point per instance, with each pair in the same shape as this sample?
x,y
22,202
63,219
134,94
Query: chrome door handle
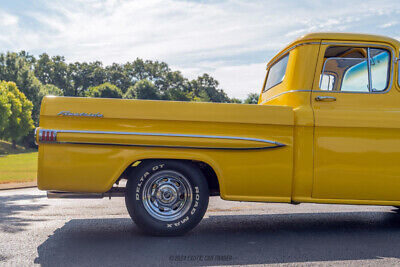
x,y
325,98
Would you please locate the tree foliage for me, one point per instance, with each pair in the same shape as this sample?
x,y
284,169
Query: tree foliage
x,y
252,98
19,121
205,88
44,75
236,100
5,108
105,90
143,89
19,68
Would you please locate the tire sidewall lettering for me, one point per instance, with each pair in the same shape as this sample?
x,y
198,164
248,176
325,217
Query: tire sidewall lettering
x,y
196,198
143,178
182,221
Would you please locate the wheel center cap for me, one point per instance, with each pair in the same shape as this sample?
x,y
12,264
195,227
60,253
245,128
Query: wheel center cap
x,y
167,194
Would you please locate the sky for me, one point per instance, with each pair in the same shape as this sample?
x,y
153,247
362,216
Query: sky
x,y
230,39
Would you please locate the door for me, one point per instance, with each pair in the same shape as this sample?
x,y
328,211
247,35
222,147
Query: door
x,y
357,123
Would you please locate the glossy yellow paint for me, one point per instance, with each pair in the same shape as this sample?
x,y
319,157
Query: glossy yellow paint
x,y
345,151
94,168
357,143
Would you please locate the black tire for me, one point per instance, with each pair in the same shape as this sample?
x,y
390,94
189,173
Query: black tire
x,y
144,212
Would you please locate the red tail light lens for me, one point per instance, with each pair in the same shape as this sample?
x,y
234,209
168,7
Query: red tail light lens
x,y
47,135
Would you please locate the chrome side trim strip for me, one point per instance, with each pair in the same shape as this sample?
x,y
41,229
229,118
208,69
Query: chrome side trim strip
x,y
286,92
176,147
274,143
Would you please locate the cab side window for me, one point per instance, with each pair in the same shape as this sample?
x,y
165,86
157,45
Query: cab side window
x,y
276,73
355,69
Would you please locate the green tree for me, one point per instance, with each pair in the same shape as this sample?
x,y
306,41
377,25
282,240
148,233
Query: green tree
x,y
20,121
48,89
5,109
144,79
170,85
17,68
236,100
252,98
54,71
105,90
143,89
120,75
51,89
177,87
205,88
85,75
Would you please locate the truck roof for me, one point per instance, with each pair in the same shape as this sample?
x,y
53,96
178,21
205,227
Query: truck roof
x,y
318,36
347,37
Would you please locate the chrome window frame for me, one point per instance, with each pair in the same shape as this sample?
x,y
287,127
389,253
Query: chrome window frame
x,y
397,60
365,45
269,68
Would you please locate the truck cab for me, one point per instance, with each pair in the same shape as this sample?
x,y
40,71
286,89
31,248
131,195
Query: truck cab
x,y
344,92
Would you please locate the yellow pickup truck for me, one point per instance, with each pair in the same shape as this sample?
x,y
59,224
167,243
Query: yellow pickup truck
x,y
326,130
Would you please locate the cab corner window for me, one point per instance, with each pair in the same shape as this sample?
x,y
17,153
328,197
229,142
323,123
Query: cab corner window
x,y
355,69
276,73
380,60
327,81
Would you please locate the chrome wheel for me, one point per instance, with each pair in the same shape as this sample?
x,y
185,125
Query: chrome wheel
x,y
167,195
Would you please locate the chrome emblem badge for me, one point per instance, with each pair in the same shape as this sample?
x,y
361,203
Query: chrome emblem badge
x,y
81,114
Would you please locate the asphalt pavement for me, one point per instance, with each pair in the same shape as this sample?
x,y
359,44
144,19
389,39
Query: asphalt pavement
x,y
99,232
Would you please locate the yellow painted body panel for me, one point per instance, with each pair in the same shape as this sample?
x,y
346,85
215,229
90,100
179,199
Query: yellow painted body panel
x,y
94,168
344,152
357,140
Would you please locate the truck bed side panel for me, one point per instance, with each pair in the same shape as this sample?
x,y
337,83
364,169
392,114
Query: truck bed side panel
x,y
250,147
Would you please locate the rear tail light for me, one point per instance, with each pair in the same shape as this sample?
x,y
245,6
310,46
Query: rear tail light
x,y
47,136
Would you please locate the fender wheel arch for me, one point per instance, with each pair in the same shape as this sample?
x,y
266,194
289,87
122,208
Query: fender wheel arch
x,y
205,168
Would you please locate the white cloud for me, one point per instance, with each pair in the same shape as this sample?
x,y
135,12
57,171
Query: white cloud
x,y
239,81
231,39
8,20
389,24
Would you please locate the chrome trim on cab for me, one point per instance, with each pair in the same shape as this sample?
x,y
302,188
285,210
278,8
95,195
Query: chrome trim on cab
x,y
274,143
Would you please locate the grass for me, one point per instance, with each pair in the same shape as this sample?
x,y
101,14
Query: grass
x,y
7,149
17,165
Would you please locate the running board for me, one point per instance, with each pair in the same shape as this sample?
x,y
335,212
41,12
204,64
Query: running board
x,y
114,192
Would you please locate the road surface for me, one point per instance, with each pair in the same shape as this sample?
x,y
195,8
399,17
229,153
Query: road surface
x,y
53,232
